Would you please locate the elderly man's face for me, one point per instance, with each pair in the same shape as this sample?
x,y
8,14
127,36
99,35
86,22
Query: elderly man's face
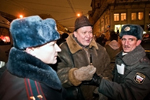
x,y
129,43
84,35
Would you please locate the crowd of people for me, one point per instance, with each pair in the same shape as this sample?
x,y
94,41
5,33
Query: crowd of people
x,y
117,69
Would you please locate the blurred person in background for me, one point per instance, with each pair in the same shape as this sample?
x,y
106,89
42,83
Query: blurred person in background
x,y
118,31
146,44
62,38
101,40
113,47
132,71
81,56
28,77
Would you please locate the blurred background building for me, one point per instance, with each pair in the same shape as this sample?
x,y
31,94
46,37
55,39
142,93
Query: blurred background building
x,y
60,27
113,14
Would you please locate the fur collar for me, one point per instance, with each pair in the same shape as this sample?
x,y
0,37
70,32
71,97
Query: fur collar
x,y
25,65
74,46
134,56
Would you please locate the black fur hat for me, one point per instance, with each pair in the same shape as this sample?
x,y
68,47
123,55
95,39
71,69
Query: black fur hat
x,y
33,31
131,29
81,21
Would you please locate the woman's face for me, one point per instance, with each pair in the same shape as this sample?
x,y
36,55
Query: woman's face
x,y
47,53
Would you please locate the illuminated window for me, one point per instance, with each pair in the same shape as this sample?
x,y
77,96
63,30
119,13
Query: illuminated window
x,y
133,16
123,16
140,15
116,17
4,36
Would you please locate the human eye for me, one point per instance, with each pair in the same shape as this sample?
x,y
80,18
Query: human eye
x,y
131,39
83,32
54,44
90,32
123,39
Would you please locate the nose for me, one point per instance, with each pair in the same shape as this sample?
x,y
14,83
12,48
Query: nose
x,y
57,48
89,35
126,42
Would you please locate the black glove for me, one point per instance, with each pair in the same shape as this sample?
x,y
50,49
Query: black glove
x,y
96,80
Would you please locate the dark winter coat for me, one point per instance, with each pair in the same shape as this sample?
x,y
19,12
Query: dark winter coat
x,y
23,65
80,57
134,83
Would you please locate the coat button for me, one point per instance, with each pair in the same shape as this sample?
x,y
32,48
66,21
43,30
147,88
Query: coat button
x,y
40,96
32,98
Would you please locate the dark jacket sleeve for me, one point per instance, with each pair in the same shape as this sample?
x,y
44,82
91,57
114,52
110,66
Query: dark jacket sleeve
x,y
129,90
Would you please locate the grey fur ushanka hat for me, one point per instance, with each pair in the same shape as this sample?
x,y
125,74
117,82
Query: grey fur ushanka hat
x,y
33,31
131,29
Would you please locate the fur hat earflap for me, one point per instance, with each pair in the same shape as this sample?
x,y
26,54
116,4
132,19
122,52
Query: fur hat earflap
x,y
81,21
131,29
33,31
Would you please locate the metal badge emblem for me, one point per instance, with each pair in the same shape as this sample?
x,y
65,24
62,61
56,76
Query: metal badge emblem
x,y
127,28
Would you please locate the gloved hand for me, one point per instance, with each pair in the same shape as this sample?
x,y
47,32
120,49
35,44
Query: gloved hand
x,y
96,80
85,73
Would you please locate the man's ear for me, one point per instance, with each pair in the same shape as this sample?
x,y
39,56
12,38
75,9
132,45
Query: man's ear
x,y
75,34
138,42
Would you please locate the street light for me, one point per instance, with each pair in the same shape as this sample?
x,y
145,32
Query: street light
x,y
21,16
78,14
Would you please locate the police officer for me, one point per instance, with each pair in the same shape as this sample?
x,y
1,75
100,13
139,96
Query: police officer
x,y
132,71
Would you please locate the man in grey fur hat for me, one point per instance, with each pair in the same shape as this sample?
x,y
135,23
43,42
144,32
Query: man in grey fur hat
x,y
80,57
132,72
28,75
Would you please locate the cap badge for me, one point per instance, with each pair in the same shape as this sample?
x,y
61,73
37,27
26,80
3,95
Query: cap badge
x,y
127,28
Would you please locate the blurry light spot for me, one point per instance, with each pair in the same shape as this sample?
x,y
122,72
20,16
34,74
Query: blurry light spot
x,y
78,15
21,16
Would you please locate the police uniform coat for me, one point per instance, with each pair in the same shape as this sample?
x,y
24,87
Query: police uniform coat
x,y
132,83
74,55
22,65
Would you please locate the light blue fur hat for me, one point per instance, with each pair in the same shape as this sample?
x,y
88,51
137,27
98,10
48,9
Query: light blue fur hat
x,y
33,31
